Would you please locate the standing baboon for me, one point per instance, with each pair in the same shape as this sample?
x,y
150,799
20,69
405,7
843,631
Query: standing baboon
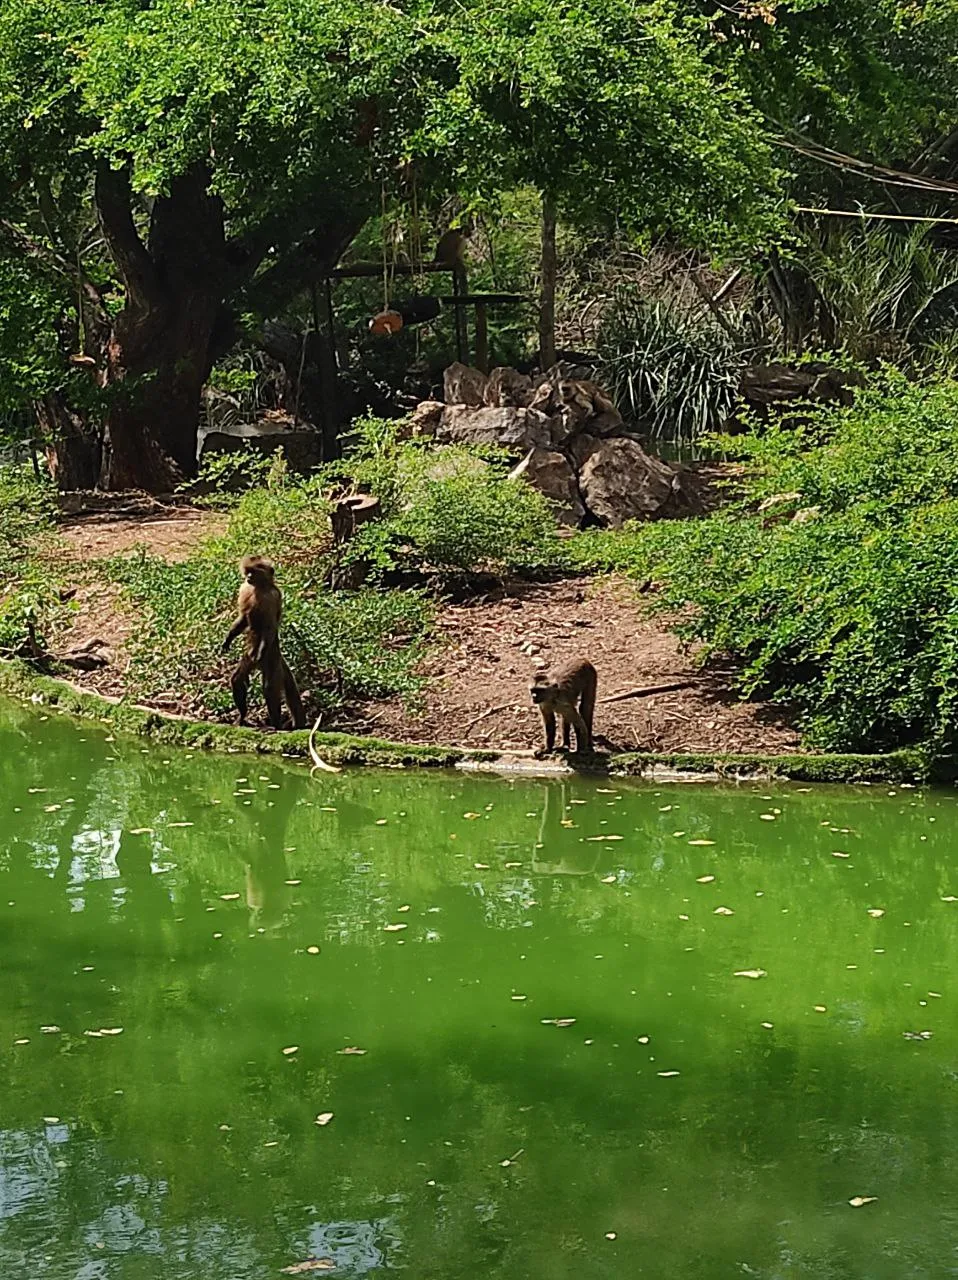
x,y
570,694
260,604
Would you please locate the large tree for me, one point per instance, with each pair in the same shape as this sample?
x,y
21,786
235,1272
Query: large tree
x,y
178,165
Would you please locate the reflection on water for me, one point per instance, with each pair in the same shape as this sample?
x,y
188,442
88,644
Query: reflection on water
x,y
520,1002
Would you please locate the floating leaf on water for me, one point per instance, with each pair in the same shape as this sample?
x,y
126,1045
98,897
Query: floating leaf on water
x,y
324,1118
666,1074
25,1039
312,951
767,817
837,853
701,842
610,1235
876,913
141,831
394,928
351,1051
557,1022
643,1039
405,908
481,866
226,1128
381,822
179,824
111,1031
270,1144
50,1030
723,911
598,839
228,897
665,808
51,808
609,879
768,1025
683,917
856,1202
311,1264
750,973
819,1008
678,833
95,1035
470,816
293,1048
704,879
566,822
294,882
950,898
517,997
51,1119
513,864
917,1035
35,791
936,995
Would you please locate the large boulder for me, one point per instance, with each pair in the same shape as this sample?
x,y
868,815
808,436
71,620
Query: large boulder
x,y
511,428
619,481
461,384
552,474
507,387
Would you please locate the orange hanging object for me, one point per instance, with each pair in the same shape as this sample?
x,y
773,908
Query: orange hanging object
x,y
385,323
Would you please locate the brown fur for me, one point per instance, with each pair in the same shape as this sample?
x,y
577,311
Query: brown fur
x,y
259,604
568,692
450,248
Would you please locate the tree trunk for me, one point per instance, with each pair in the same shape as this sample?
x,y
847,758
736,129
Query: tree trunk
x,y
547,286
73,447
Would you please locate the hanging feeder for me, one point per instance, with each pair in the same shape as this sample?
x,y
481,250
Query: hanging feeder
x,y
386,323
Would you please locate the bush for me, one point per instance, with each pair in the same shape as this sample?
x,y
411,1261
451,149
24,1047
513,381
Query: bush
x,y
29,582
850,614
452,512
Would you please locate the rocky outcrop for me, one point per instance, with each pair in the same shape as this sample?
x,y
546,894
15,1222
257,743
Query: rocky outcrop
x,y
552,474
577,451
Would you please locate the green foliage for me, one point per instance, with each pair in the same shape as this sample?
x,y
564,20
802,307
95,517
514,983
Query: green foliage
x,y
673,370
29,583
850,612
450,512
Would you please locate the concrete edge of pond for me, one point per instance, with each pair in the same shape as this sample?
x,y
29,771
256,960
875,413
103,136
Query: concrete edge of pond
x,y
22,683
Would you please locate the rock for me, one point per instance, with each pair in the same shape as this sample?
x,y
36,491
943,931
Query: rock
x,y
619,481
551,474
423,421
766,384
461,384
509,427
506,387
301,445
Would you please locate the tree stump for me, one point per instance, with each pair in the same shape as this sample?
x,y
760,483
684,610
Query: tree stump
x,y
350,514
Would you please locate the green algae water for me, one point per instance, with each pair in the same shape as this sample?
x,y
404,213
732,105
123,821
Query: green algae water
x,y
253,1023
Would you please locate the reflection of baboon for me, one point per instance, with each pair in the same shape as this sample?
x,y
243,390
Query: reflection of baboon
x,y
260,604
569,692
563,857
267,893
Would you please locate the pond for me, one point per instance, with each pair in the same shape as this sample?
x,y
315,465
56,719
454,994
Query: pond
x,y
467,1027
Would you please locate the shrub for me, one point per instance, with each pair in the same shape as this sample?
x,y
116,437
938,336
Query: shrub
x,y
852,613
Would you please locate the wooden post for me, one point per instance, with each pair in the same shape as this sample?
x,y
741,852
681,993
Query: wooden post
x,y
482,337
460,287
547,286
328,373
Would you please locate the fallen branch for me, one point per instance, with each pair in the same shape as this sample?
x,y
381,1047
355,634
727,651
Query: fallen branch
x,y
647,691
490,711
314,755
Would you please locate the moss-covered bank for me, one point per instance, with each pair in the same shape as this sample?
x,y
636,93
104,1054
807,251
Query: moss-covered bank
x,y
20,681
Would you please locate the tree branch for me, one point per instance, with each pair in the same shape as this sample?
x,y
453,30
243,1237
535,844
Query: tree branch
x,y
114,208
309,261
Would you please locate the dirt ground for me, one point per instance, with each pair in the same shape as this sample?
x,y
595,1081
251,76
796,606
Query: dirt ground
x,y
476,693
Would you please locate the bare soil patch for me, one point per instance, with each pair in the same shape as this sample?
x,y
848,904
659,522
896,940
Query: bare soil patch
x,y
476,692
